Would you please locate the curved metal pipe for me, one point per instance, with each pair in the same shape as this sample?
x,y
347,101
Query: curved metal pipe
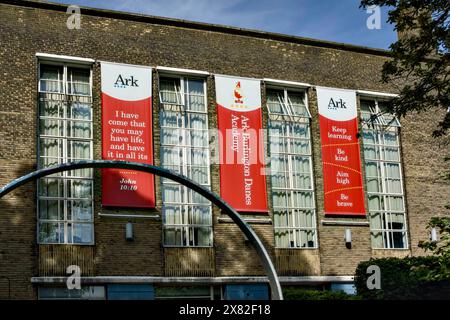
x,y
211,196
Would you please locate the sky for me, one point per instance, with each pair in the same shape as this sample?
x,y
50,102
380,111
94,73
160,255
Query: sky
x,y
333,20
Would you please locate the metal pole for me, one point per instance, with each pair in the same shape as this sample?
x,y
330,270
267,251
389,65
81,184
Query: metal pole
x,y
211,196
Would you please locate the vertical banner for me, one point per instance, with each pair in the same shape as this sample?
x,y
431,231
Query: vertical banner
x,y
242,173
127,134
342,178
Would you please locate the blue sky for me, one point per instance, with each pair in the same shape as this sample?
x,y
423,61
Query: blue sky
x,y
334,20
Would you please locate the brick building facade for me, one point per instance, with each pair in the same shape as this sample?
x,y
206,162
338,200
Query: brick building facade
x,y
34,34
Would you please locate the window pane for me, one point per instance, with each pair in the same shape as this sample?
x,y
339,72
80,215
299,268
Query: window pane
x,y
51,108
170,156
171,193
199,174
51,233
51,127
170,91
80,210
51,188
77,129
372,169
172,214
172,236
390,138
202,236
300,131
303,199
80,111
78,150
300,146
51,210
274,101
297,104
50,147
377,240
395,203
371,152
374,184
83,233
169,119
51,79
398,239
79,81
170,136
370,137
195,87
376,203
79,189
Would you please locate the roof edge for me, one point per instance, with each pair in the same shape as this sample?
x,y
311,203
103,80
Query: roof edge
x,y
200,26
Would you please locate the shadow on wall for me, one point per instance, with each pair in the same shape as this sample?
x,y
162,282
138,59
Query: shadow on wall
x,y
17,232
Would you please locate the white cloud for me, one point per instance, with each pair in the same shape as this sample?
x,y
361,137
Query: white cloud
x,y
230,12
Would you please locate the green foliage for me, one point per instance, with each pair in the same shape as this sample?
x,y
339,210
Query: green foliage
x,y
293,293
406,278
442,246
420,64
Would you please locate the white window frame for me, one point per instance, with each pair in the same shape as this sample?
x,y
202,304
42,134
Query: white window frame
x,y
293,119
65,120
187,228
378,127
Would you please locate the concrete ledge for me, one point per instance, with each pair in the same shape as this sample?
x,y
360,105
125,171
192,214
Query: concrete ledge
x,y
129,216
248,220
194,280
345,223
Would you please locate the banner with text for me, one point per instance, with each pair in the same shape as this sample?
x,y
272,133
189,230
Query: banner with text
x,y
343,184
242,173
127,134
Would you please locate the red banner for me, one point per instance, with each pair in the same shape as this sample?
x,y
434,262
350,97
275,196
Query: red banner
x,y
127,134
343,182
242,173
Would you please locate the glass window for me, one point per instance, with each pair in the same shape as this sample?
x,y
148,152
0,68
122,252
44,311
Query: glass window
x,y
383,176
51,79
60,293
185,149
65,200
291,170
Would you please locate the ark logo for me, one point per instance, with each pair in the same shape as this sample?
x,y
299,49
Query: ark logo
x,y
238,94
336,104
122,82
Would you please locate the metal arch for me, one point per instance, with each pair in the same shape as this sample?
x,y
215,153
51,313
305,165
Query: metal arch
x,y
211,196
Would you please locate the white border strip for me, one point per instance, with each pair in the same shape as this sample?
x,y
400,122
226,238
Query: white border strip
x,y
125,64
345,223
376,94
236,77
337,89
139,216
182,71
286,83
55,57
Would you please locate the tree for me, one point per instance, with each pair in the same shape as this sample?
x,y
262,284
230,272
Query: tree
x,y
420,64
440,247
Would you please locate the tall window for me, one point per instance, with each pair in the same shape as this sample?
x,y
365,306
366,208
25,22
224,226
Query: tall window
x,y
383,176
291,170
65,199
185,149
